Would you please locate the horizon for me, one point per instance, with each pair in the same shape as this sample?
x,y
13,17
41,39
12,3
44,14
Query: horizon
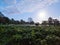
x,y
38,10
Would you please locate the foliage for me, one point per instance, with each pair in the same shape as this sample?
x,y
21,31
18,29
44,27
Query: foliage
x,y
29,35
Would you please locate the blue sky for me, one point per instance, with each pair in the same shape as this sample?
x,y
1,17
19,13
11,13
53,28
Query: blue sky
x,y
39,10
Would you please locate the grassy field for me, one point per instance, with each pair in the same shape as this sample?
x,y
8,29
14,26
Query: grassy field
x,y
29,35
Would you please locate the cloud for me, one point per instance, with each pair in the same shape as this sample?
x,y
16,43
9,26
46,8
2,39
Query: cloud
x,y
11,10
22,6
10,2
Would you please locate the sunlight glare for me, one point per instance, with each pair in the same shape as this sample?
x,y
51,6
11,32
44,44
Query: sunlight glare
x,y
42,14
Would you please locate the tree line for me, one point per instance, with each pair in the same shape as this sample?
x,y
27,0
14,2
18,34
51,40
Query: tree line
x,y
51,21
6,20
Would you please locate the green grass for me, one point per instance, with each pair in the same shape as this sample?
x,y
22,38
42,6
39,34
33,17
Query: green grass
x,y
29,35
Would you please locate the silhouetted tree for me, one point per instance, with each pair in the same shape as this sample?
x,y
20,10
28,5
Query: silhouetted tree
x,y
44,23
37,24
7,20
30,20
22,22
2,20
12,21
56,22
17,22
50,21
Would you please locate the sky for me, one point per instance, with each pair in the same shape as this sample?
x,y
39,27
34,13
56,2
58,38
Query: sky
x,y
38,10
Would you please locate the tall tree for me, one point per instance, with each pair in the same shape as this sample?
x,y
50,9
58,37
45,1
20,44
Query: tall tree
x,y
56,22
7,20
50,21
30,20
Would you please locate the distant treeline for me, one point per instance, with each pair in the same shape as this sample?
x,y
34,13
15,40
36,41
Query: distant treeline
x,y
51,21
6,20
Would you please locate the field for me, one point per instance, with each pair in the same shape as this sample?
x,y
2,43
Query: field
x,y
29,35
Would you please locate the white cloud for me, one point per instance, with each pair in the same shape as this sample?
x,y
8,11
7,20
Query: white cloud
x,y
23,6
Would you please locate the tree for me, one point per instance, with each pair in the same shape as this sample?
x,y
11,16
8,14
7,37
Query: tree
x,y
37,24
22,21
30,20
56,22
12,21
2,20
7,20
44,23
50,21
